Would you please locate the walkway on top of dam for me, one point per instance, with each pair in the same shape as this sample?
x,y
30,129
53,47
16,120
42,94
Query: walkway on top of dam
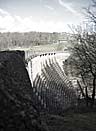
x,y
32,54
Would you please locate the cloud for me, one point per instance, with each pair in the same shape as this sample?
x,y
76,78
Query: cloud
x,y
2,29
18,24
14,23
4,12
67,6
49,7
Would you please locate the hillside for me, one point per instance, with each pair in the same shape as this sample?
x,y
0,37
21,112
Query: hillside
x,y
31,39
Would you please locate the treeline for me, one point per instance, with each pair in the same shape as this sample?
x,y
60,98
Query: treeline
x,y
28,39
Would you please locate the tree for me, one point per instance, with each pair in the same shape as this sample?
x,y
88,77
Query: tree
x,y
83,59
91,12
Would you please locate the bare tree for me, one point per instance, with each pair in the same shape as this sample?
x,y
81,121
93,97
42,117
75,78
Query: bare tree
x,y
83,58
91,12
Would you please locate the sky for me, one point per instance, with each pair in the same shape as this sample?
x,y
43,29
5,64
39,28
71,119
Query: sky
x,y
41,15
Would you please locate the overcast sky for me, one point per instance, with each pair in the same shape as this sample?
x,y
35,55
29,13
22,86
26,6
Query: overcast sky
x,y
40,15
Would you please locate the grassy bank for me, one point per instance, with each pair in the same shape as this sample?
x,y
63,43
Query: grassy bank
x,y
72,122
